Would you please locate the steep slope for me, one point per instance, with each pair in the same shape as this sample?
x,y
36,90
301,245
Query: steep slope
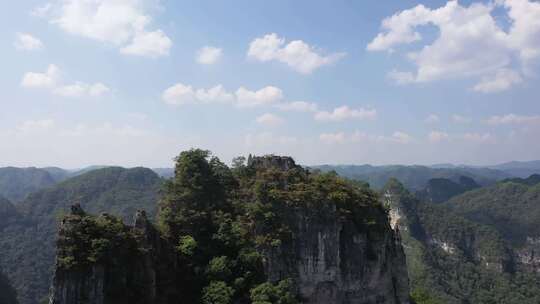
x,y
268,232
513,208
17,183
27,242
439,190
455,260
414,177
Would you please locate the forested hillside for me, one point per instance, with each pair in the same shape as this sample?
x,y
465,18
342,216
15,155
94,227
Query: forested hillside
x,y
455,258
28,238
17,183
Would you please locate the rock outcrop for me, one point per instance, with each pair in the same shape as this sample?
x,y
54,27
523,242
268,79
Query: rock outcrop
x,y
331,255
337,261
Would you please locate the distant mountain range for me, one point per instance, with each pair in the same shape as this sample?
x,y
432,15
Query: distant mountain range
x,y
475,210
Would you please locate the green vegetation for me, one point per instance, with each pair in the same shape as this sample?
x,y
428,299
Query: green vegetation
x,y
222,222
28,230
455,259
439,190
511,207
91,240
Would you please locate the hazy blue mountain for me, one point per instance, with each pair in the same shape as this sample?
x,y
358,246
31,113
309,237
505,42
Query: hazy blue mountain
x,y
164,172
17,183
519,169
413,177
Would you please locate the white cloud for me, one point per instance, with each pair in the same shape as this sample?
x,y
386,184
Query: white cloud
x,y
333,138
151,44
401,137
209,55
479,137
437,136
433,118
27,42
41,11
35,125
122,23
357,136
510,119
461,119
401,78
51,80
501,81
41,80
264,96
180,94
298,106
269,119
470,42
297,54
80,89
344,113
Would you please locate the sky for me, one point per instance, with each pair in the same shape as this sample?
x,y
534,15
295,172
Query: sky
x,y
135,82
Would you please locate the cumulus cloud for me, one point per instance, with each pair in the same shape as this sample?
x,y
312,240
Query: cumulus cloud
x,y
27,42
433,118
80,89
180,94
479,137
437,136
264,96
397,137
501,81
298,106
209,55
297,54
333,138
460,119
470,42
269,119
50,80
346,113
122,23
151,44
513,119
35,125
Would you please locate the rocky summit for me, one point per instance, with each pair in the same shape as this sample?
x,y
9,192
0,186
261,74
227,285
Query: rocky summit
x,y
267,231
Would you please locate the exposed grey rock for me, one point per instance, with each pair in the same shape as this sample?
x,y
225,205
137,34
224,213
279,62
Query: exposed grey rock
x,y
333,261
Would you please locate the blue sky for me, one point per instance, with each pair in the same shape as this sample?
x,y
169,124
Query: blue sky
x,y
133,82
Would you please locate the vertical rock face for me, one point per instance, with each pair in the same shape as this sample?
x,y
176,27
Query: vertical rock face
x,y
337,248
334,261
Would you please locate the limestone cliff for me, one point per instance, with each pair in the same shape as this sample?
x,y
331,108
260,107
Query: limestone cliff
x,y
335,247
